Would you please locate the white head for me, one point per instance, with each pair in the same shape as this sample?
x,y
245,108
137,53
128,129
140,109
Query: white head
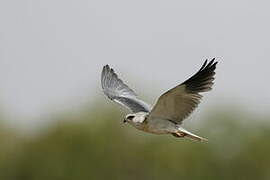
x,y
136,119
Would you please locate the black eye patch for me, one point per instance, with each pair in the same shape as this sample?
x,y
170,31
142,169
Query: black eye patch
x,y
130,117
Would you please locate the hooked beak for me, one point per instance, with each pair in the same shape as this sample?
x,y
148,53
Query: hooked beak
x,y
124,121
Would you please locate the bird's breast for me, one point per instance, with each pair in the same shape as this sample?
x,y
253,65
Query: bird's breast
x,y
158,126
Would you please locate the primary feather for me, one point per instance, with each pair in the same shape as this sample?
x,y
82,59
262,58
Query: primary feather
x,y
177,103
119,92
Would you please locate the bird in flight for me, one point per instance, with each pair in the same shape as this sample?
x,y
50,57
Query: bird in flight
x,y
171,108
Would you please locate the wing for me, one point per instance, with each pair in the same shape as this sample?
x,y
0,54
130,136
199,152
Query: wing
x,y
119,92
177,103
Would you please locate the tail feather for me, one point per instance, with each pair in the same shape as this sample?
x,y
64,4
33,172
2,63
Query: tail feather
x,y
191,135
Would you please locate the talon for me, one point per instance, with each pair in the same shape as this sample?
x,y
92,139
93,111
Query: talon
x,y
179,134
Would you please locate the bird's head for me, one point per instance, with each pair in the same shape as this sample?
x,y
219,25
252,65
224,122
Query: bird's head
x,y
129,118
135,118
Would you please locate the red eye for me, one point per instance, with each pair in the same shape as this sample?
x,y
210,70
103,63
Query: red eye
x,y
130,117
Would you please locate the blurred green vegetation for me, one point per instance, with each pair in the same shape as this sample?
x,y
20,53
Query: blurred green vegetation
x,y
96,145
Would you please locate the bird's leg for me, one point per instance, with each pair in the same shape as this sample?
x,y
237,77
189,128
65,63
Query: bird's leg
x,y
179,134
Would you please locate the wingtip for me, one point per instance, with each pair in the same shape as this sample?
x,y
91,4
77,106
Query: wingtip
x,y
211,64
214,61
104,72
106,69
106,66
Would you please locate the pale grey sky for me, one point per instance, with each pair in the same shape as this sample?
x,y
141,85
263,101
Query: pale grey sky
x,y
52,51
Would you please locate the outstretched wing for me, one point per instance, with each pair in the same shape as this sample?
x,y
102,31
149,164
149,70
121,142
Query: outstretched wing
x,y
119,92
177,103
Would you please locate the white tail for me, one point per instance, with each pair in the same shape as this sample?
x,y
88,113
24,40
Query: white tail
x,y
190,135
